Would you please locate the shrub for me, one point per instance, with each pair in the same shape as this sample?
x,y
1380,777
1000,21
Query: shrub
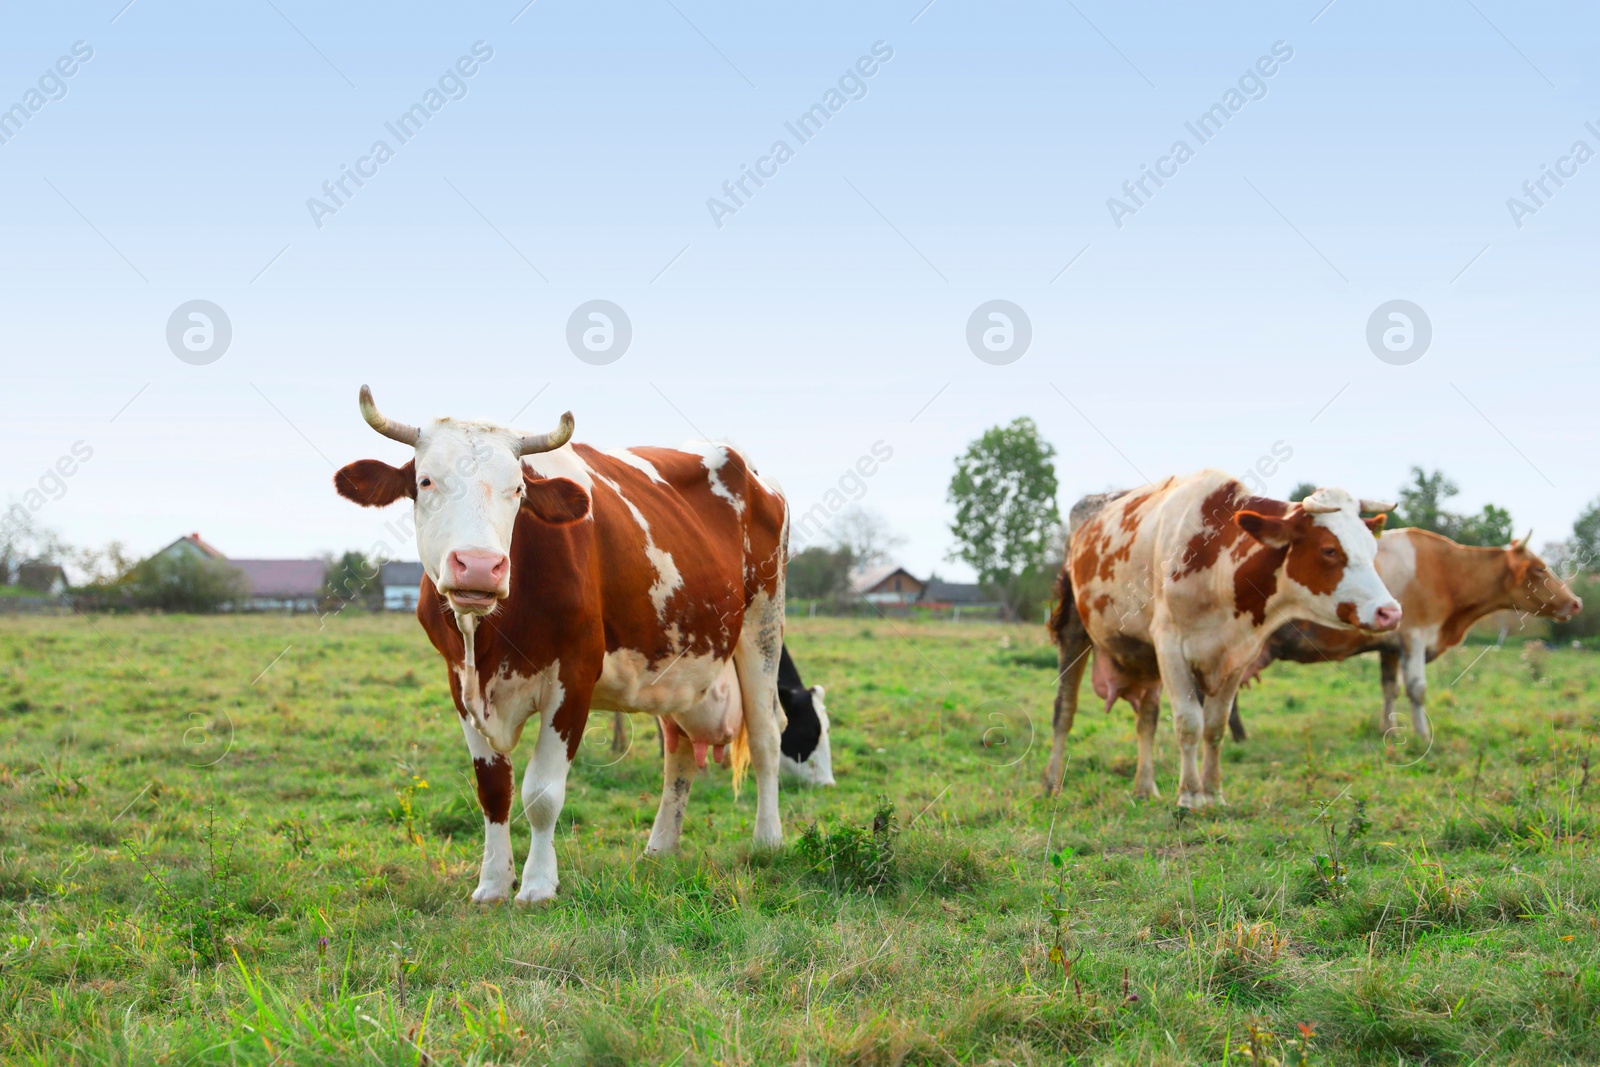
x,y
851,857
185,582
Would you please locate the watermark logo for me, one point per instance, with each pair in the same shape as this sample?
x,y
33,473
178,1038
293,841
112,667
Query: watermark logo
x,y
852,85
1252,85
599,332
450,87
999,332
52,86
1537,192
1005,735
199,332
208,739
1399,332
807,527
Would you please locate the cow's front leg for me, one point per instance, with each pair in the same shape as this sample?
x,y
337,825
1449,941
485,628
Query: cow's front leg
x,y
1416,675
1188,719
1389,668
1216,722
677,780
544,790
493,772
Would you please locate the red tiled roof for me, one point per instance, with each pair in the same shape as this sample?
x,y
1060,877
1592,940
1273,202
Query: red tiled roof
x,y
195,540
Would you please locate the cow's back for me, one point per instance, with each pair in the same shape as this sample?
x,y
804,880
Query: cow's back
x,y
1128,557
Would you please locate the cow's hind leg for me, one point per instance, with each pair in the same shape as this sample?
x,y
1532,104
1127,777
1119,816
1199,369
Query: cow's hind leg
x,y
1147,714
544,790
1073,649
755,658
493,772
678,778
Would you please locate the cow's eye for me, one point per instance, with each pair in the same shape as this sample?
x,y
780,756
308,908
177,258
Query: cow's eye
x,y
425,483
1330,553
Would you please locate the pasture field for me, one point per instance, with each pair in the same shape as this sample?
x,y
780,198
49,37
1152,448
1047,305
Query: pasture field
x,y
246,840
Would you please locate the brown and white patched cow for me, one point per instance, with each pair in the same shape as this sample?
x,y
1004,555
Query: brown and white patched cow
x,y
1177,586
1444,588
561,579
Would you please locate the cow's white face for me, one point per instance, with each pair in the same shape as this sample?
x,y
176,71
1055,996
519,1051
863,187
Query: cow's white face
x,y
817,769
1332,556
1375,608
470,486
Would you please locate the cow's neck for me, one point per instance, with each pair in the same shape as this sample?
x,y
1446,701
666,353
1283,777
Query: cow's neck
x,y
1481,587
471,691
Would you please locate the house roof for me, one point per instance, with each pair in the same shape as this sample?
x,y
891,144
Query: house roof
x,y
398,573
282,578
195,541
938,592
866,579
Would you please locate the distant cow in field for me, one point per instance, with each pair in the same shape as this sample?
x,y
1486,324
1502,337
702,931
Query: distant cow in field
x,y
1444,588
560,578
1177,586
807,748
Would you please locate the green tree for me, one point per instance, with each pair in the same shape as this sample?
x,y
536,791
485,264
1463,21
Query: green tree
x,y
1422,502
184,582
1491,526
1582,550
818,573
1007,526
350,576
1300,492
1422,505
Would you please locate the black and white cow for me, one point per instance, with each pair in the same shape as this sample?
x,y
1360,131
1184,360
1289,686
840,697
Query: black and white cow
x,y
806,753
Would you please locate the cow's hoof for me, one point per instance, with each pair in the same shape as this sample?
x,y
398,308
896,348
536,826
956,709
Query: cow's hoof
x,y
768,842
653,850
1147,792
491,894
534,895
1191,800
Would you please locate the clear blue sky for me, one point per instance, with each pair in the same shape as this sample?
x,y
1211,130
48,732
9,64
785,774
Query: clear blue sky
x,y
1219,319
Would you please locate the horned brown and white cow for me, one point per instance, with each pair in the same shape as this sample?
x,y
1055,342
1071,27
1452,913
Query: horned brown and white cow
x,y
1444,588
560,578
1177,586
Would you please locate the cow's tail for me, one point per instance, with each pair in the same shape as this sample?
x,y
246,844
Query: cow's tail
x,y
739,755
1062,606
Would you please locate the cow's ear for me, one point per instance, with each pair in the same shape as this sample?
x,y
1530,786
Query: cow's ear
x,y
1375,524
1274,531
557,501
372,483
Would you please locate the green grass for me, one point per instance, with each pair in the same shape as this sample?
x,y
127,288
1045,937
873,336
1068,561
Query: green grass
x,y
216,846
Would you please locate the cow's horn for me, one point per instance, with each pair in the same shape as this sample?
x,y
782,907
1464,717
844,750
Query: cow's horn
x,y
1317,504
395,431
1527,538
1377,505
545,442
